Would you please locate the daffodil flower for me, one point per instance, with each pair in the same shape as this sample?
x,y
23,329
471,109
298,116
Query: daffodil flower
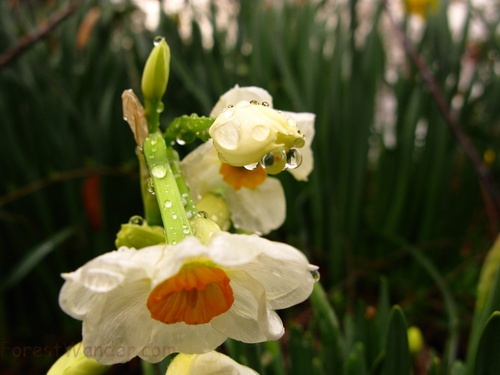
x,y
187,297
247,131
255,200
209,363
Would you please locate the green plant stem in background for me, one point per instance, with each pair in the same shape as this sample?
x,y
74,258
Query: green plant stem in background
x,y
167,193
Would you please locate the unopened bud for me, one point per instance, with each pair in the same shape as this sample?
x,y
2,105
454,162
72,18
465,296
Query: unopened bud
x,y
156,71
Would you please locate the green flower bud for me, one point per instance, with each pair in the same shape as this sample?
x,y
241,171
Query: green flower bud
x,y
75,362
156,71
138,234
491,266
203,228
217,210
415,339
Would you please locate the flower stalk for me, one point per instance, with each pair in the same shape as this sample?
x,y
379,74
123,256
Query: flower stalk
x,y
165,187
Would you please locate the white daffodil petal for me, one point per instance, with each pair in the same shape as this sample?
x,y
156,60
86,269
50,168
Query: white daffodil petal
x,y
259,210
200,168
76,300
305,123
232,249
237,94
181,337
248,318
283,271
211,363
116,330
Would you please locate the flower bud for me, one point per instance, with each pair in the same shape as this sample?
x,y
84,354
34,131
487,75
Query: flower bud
x,y
203,228
138,234
75,362
216,208
245,133
415,339
156,71
208,363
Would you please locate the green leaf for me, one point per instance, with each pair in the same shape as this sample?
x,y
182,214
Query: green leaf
x,y
486,361
397,353
34,256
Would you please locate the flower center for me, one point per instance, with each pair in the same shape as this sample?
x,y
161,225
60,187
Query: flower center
x,y
240,176
195,295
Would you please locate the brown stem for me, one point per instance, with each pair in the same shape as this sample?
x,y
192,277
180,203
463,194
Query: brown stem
x,y
30,39
487,182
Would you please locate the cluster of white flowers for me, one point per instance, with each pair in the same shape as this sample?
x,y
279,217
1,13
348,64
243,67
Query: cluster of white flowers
x,y
188,297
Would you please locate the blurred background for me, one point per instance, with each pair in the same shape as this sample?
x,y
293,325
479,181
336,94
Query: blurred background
x,y
394,202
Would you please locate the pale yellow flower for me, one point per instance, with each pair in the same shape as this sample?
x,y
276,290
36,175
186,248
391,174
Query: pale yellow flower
x,y
211,363
187,297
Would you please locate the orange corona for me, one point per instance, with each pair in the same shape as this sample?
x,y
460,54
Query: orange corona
x,y
239,177
195,295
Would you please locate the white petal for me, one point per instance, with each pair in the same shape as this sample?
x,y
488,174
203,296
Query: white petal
x,y
211,363
201,170
84,287
180,337
305,123
119,326
229,249
259,210
248,320
237,94
284,273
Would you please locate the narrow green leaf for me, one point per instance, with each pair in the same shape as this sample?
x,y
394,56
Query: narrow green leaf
x,y
397,353
34,256
486,361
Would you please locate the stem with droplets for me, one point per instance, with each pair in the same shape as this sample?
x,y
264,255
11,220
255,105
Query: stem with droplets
x,y
167,193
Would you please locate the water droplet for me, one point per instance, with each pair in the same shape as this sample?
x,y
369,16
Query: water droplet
x,y
202,214
167,204
260,132
153,141
299,142
136,220
160,107
174,216
293,158
179,140
157,40
159,171
265,104
125,118
254,102
185,230
274,162
151,188
292,122
189,215
251,167
315,274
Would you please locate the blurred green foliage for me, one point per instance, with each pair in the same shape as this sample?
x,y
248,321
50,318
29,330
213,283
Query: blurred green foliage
x,y
403,203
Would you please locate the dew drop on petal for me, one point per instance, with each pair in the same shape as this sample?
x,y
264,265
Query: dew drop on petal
x,y
254,102
293,158
136,220
299,142
251,167
157,40
274,162
202,214
265,104
159,171
260,132
315,275
292,122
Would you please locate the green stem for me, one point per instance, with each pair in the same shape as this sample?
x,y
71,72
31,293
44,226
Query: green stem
x,y
151,210
152,110
167,193
187,200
